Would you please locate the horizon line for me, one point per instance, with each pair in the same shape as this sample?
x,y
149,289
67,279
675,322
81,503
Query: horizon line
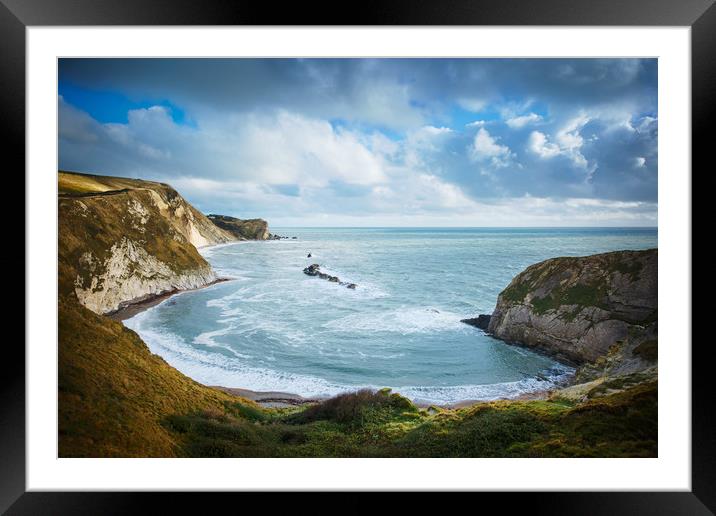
x,y
468,227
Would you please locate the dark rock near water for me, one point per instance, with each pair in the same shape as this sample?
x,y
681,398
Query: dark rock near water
x,y
482,321
272,236
312,270
315,270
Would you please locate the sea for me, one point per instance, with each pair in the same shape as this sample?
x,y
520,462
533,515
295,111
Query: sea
x,y
274,328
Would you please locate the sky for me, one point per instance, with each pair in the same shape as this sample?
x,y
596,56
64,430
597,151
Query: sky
x,y
375,142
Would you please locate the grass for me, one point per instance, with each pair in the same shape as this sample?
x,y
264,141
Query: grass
x,y
369,424
114,394
570,283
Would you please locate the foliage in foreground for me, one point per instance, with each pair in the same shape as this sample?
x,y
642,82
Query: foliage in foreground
x,y
381,424
118,399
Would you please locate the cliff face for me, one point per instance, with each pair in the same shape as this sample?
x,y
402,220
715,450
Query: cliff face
x,y
124,240
249,229
598,310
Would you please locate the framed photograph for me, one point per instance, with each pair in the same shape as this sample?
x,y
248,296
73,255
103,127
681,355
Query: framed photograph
x,y
421,249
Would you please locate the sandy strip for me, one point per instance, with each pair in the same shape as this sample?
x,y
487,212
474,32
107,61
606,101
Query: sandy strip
x,y
270,398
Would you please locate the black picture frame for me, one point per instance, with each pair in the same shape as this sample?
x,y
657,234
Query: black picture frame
x,y
700,15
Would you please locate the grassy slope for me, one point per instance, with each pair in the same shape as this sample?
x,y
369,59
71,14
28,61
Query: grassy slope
x,y
114,394
368,424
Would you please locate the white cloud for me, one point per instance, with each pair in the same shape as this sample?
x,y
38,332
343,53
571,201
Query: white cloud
x,y
422,142
519,122
646,123
511,211
567,142
639,162
75,125
290,148
485,148
539,144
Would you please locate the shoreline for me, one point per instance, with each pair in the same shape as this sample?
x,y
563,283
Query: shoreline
x,y
278,399
133,308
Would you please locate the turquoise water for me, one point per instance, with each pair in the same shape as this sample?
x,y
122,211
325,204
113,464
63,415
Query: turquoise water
x,y
275,328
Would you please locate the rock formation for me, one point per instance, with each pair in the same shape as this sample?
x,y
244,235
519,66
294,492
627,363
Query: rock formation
x,y
482,321
315,270
599,309
248,229
126,240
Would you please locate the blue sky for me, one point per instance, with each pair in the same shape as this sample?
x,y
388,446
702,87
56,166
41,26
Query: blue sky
x,y
375,142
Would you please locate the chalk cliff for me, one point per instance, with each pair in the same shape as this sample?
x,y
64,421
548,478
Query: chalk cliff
x,y
125,240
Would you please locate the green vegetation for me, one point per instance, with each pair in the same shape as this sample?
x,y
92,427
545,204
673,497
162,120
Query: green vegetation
x,y
516,291
368,424
572,281
113,393
580,295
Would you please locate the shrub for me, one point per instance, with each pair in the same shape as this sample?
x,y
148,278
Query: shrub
x,y
353,408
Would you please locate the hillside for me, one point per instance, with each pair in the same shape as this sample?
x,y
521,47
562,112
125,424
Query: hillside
x,y
124,240
114,395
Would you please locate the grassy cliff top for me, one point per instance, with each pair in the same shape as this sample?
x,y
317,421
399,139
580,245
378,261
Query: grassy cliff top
x,y
75,183
250,229
600,280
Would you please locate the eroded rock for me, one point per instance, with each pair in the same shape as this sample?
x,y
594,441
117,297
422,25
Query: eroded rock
x,y
481,321
583,308
315,270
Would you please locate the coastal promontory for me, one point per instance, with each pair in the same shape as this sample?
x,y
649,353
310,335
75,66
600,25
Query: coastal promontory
x,y
246,229
585,309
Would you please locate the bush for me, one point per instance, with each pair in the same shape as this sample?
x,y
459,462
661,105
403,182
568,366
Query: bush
x,y
354,408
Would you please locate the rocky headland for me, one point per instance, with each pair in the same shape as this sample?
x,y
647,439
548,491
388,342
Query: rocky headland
x,y
598,312
248,229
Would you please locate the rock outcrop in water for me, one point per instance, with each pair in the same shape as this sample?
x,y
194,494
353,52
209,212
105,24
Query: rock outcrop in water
x,y
315,270
482,321
599,310
126,240
248,229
